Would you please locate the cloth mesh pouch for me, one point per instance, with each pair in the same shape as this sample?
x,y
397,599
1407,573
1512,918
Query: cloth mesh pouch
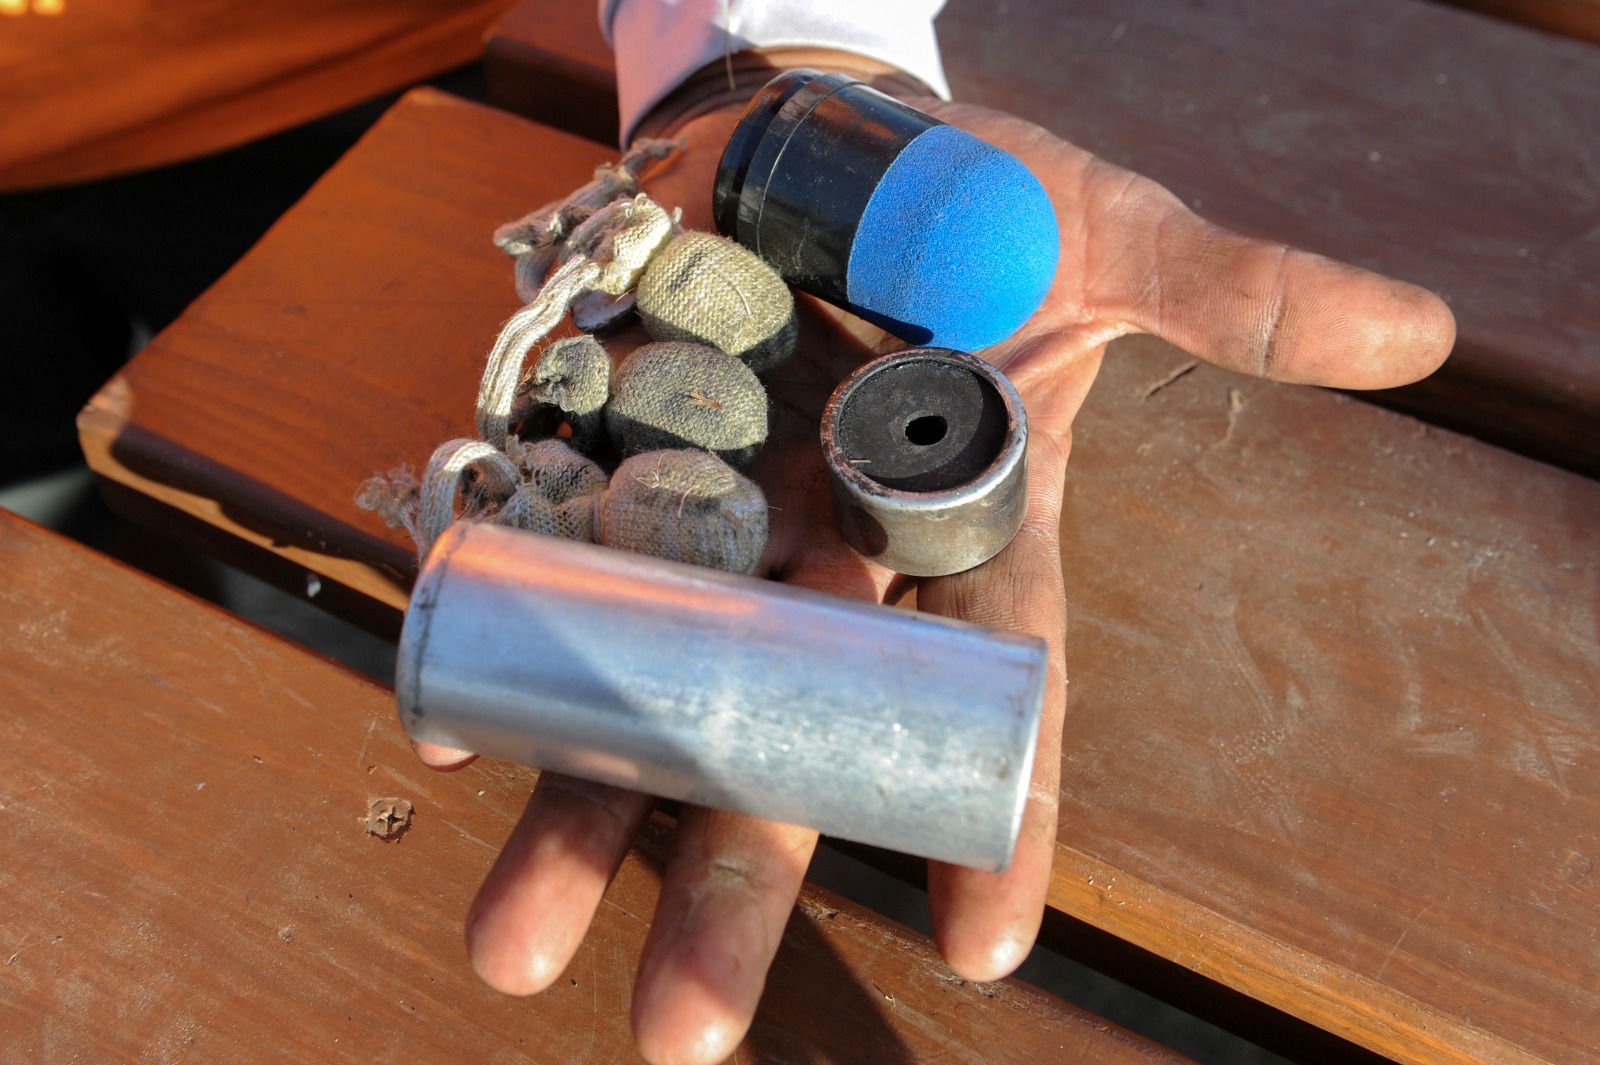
x,y
687,506
710,290
571,382
558,492
678,394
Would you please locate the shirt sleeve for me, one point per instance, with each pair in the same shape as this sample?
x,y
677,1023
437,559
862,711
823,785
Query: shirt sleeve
x,y
659,43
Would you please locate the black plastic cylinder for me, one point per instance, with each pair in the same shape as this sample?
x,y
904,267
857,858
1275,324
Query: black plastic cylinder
x,y
800,169
921,228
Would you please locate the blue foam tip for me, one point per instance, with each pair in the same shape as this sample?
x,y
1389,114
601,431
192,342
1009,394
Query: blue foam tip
x,y
958,244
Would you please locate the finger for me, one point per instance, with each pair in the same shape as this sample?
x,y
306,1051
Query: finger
x,y
444,759
1252,306
537,902
730,886
985,923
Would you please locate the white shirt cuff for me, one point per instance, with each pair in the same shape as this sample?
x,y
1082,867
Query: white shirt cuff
x,y
659,43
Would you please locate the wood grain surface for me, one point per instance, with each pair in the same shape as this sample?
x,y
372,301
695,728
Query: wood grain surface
x,y
188,879
1427,143
1334,734
1335,723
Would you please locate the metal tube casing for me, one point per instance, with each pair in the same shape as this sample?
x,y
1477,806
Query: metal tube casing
x,y
926,451
872,724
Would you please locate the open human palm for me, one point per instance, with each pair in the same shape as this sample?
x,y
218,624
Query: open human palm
x,y
1133,259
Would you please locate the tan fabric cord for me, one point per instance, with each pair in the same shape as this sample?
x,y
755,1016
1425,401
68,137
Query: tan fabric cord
x,y
395,497
497,391
535,238
496,479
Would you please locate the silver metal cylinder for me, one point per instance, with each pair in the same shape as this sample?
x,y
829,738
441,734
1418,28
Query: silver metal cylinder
x,y
927,452
868,723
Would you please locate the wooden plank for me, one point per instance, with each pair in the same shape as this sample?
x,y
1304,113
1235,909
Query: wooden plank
x,y
181,798
1335,728
355,305
1422,142
1335,731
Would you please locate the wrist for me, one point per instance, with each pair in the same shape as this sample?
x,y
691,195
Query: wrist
x,y
730,82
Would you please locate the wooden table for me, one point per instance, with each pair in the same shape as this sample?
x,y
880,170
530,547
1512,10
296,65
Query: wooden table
x,y
1334,739
1432,144
188,874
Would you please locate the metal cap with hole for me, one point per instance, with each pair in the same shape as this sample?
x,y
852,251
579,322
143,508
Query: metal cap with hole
x,y
927,453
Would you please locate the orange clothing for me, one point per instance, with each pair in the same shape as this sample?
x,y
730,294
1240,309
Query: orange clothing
x,y
92,88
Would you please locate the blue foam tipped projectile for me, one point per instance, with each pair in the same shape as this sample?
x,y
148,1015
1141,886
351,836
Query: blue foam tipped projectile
x,y
927,231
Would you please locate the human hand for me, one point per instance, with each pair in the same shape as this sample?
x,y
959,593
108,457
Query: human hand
x,y
1133,259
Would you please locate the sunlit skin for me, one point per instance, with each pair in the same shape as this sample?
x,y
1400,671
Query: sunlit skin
x,y
1133,259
